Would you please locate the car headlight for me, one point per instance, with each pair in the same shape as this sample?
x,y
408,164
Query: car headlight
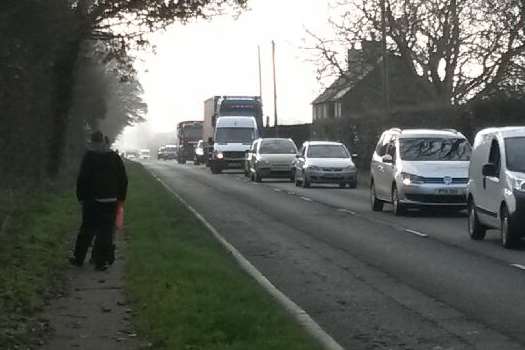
x,y
518,184
410,179
314,168
219,155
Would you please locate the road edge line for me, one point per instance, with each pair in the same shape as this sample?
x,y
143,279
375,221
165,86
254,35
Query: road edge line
x,y
301,316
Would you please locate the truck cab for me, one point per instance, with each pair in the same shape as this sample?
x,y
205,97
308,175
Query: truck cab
x,y
233,137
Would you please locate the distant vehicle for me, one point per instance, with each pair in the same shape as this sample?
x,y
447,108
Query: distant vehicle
x,y
199,153
419,167
325,162
496,187
188,134
168,152
271,158
144,154
233,137
131,154
160,153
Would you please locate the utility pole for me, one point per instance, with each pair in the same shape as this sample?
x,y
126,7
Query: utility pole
x,y
386,66
274,92
260,72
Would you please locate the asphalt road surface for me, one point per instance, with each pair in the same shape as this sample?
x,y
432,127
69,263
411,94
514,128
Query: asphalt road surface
x,y
371,280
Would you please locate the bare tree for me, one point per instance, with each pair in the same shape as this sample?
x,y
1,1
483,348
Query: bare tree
x,y
463,48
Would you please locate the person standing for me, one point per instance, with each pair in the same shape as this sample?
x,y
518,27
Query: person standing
x,y
102,183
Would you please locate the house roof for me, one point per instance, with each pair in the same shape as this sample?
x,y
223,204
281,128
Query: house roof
x,y
342,85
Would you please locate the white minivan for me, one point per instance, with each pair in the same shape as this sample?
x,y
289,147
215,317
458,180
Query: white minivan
x,y
419,168
496,187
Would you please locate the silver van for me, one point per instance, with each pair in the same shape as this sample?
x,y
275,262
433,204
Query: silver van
x,y
419,167
496,187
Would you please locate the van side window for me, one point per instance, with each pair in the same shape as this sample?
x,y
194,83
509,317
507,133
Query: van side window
x,y
495,156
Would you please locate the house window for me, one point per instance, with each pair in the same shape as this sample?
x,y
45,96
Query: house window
x,y
338,110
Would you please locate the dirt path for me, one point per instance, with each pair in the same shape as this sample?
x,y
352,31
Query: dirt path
x,y
94,314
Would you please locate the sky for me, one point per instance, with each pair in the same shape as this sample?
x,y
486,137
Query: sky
x,y
219,57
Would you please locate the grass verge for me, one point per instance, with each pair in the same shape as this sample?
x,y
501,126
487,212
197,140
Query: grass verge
x,y
187,292
32,261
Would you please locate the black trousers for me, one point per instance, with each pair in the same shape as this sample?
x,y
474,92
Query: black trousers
x,y
98,221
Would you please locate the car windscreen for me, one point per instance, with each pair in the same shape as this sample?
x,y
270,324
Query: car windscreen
x,y
514,147
235,135
277,147
434,149
327,151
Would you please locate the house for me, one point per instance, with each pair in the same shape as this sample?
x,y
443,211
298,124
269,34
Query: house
x,y
352,109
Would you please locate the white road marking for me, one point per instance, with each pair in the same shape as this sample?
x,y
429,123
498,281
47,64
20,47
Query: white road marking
x,y
424,235
521,267
306,199
347,211
292,193
277,190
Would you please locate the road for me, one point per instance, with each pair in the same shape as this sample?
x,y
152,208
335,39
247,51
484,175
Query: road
x,y
371,280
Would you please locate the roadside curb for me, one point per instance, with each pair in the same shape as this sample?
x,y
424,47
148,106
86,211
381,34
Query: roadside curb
x,y
301,316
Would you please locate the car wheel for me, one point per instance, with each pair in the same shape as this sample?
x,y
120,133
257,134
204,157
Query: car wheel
x,y
509,238
377,204
476,230
306,183
399,208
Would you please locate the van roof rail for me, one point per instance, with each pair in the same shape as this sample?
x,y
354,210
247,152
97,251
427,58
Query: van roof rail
x,y
451,130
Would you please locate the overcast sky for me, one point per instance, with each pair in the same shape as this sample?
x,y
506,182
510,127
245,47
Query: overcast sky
x,y
219,57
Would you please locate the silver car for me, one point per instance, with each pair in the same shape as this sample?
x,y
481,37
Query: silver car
x,y
419,167
325,162
270,158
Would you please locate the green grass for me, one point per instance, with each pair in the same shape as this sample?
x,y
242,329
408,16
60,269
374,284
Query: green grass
x,y
188,293
32,259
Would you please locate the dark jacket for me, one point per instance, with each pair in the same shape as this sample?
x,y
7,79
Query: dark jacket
x,y
102,176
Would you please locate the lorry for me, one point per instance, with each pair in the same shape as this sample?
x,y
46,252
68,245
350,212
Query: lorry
x,y
188,134
238,107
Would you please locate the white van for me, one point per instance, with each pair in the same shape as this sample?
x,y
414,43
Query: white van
x,y
496,187
233,137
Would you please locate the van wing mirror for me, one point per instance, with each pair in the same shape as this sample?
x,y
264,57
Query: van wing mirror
x,y
489,169
388,159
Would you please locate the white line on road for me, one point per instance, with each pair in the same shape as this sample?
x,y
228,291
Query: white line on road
x,y
292,193
347,211
518,266
295,310
277,190
424,235
306,199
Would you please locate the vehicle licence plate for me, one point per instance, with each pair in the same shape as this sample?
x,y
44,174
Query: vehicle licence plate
x,y
448,191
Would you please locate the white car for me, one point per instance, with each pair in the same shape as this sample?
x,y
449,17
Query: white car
x,y
144,154
325,162
419,167
496,187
